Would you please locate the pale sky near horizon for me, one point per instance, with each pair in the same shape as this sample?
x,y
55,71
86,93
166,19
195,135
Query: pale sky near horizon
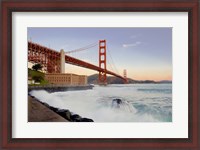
x,y
146,53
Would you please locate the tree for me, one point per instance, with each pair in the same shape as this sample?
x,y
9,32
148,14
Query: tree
x,y
37,67
37,78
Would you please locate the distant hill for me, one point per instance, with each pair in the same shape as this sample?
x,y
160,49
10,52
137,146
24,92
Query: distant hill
x,y
165,81
93,79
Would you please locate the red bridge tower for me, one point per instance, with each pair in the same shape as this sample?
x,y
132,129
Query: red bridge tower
x,y
125,76
102,62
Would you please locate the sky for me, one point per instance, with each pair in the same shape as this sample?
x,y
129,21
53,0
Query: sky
x,y
146,53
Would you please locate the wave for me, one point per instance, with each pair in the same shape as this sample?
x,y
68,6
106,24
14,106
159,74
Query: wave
x,y
167,91
98,105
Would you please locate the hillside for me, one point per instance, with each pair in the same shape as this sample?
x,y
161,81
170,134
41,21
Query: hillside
x,y
32,73
93,79
37,76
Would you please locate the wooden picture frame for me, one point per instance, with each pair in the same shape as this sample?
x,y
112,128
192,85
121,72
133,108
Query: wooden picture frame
x,y
10,6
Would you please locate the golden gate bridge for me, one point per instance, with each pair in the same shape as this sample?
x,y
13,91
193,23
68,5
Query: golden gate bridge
x,y
54,61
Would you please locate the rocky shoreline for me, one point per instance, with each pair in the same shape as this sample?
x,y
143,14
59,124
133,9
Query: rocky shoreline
x,y
64,113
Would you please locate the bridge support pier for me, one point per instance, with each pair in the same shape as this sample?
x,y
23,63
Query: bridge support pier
x,y
102,62
62,61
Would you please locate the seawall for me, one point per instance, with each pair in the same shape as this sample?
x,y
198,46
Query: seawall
x,y
59,88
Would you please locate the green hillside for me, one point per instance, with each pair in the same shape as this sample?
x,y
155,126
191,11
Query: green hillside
x,y
37,76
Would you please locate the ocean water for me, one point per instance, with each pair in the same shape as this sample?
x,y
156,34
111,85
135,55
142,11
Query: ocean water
x,y
139,102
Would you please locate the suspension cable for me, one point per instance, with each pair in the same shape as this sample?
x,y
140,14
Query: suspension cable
x,y
112,61
82,48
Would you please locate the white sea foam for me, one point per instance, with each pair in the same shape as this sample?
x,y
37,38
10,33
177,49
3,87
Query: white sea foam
x,y
141,102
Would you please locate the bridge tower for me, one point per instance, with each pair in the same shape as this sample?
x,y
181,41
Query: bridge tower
x,y
62,61
102,62
125,76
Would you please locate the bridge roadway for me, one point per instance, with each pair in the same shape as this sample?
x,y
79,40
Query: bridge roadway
x,y
77,62
73,61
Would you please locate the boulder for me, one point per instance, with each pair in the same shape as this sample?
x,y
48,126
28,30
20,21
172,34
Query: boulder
x,y
64,113
68,115
86,120
76,118
116,102
53,108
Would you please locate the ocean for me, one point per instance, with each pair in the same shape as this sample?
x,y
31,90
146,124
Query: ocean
x,y
116,102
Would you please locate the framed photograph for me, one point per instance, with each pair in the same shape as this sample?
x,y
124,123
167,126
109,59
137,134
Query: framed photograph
x,y
100,74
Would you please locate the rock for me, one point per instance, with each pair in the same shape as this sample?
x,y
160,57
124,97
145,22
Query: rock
x,y
53,108
45,104
68,115
64,113
86,120
122,105
76,118
116,102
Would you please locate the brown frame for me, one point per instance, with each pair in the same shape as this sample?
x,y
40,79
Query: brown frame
x,y
9,6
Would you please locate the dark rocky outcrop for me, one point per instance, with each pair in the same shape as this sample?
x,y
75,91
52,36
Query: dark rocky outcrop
x,y
53,108
64,113
86,120
116,102
76,118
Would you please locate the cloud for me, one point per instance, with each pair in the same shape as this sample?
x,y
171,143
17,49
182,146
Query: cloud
x,y
132,44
